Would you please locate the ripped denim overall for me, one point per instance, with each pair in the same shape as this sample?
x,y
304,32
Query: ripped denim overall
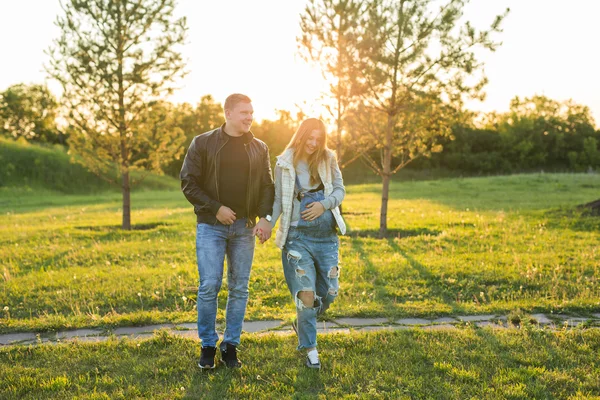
x,y
310,263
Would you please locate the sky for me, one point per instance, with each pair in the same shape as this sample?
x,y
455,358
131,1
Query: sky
x,y
550,47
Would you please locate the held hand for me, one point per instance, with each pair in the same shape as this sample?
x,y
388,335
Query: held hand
x,y
262,230
225,215
313,211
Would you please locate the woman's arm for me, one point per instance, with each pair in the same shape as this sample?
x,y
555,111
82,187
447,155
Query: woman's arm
x,y
277,202
339,192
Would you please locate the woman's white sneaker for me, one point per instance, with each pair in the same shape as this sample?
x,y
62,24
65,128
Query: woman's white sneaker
x,y
312,359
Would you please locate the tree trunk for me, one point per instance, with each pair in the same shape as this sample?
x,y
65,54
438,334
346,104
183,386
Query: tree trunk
x,y
386,176
123,129
338,144
384,205
126,202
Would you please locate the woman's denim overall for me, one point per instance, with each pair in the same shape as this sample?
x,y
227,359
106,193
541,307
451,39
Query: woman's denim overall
x,y
310,263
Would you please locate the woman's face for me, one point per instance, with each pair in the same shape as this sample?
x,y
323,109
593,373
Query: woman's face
x,y
313,142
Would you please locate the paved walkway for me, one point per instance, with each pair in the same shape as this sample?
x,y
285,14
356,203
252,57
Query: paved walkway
x,y
550,321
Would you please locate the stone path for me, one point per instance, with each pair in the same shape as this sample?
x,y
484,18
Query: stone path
x,y
550,321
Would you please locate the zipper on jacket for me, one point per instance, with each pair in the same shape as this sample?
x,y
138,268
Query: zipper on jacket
x,y
216,169
248,185
217,175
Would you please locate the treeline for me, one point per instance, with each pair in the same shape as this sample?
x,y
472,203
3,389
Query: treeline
x,y
536,133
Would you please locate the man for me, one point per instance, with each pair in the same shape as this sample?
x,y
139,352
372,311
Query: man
x,y
226,175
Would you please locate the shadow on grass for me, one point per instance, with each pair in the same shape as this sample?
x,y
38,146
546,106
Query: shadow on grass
x,y
577,219
393,233
434,282
423,271
308,383
220,380
117,228
27,202
372,275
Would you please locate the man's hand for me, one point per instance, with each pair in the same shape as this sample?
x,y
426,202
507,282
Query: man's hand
x,y
263,230
225,215
313,210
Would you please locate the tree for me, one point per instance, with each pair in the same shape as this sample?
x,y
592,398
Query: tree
x,y
29,112
207,115
114,58
278,133
412,59
563,130
539,132
328,26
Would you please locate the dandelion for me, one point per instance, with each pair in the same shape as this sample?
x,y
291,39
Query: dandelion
x,y
6,308
184,298
139,294
182,388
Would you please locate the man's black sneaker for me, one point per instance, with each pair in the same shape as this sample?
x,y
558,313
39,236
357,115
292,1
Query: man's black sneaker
x,y
207,357
229,356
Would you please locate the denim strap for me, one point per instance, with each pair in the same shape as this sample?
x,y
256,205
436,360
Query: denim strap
x,y
299,188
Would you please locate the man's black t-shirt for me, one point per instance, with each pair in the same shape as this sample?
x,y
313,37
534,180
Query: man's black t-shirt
x,y
233,175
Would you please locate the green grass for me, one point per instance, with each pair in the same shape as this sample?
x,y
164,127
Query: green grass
x,y
415,364
460,246
30,167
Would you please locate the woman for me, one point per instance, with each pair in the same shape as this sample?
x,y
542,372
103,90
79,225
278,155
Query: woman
x,y
308,190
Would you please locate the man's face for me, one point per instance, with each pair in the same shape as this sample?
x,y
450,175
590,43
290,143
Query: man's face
x,y
239,119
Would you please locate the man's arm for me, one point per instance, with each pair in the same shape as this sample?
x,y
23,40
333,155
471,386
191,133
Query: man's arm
x,y
191,176
265,203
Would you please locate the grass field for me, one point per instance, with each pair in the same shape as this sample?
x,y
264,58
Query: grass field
x,y
467,363
468,246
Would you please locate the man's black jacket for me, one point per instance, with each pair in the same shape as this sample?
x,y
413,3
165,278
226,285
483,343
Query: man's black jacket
x,y
200,176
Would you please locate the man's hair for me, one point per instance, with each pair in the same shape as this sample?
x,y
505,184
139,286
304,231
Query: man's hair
x,y
233,99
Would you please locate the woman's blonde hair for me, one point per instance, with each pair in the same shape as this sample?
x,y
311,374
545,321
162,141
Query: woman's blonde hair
x,y
299,141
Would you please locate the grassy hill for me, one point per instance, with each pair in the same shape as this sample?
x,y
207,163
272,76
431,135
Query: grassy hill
x,y
26,166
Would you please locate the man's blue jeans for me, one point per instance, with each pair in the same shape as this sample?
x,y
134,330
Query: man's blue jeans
x,y
213,242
